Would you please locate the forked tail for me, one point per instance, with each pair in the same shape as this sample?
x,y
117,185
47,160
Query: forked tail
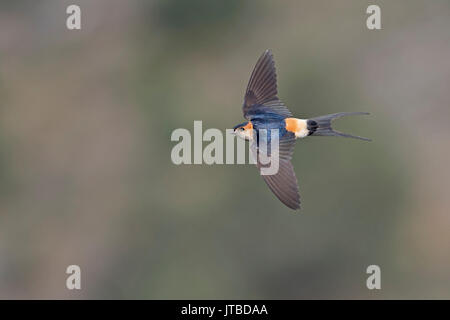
x,y
321,126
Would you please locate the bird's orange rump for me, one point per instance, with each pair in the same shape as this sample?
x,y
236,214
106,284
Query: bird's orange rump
x,y
292,125
298,126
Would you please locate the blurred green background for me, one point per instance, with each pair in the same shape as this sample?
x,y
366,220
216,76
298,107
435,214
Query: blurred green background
x,y
85,170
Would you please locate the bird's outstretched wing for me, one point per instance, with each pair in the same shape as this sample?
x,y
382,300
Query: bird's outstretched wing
x,y
261,93
283,183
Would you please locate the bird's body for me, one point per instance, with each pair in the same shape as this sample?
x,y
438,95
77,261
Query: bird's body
x,y
265,112
298,127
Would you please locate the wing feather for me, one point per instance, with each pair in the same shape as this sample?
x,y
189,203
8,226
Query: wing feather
x,y
262,88
283,183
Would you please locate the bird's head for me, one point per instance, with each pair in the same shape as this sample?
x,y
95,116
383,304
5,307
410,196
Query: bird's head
x,y
244,130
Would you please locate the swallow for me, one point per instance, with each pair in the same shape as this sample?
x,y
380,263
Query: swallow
x,y
264,110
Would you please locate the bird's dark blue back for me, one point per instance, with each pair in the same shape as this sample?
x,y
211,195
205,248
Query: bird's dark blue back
x,y
264,119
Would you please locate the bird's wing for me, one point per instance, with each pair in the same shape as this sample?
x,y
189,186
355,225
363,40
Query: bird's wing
x,y
262,91
283,183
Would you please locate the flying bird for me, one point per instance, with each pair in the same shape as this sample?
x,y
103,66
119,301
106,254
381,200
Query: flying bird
x,y
264,111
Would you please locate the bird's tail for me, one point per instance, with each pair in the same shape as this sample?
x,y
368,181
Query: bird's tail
x,y
321,126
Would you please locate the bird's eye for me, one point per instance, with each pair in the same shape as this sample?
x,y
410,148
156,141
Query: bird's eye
x,y
242,128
